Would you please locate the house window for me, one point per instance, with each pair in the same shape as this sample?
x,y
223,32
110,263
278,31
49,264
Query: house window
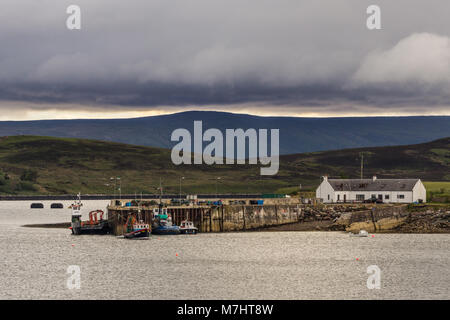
x,y
386,196
359,197
328,197
400,196
339,197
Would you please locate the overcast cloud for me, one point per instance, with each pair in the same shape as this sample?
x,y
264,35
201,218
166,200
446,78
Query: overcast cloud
x,y
267,57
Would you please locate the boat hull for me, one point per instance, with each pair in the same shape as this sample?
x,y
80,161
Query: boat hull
x,y
100,228
188,231
166,230
139,234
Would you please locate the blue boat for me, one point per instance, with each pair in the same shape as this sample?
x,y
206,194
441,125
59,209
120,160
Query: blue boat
x,y
162,223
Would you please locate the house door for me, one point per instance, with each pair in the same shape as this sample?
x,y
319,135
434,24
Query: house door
x,y
345,197
380,197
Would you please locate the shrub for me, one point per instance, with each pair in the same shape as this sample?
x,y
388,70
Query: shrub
x,y
25,186
29,175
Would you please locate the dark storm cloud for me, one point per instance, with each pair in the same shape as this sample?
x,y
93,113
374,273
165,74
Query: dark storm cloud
x,y
292,55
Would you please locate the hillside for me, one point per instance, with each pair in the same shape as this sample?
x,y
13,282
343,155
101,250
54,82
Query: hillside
x,y
297,135
46,165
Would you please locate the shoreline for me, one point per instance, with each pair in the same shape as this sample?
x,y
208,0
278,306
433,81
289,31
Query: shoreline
x,y
310,226
424,219
123,196
57,225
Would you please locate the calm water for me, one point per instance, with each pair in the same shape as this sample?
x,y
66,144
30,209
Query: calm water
x,y
290,265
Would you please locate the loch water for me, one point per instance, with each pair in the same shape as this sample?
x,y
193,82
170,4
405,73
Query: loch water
x,y
242,265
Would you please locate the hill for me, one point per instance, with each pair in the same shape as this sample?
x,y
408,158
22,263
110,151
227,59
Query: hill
x,y
297,135
47,165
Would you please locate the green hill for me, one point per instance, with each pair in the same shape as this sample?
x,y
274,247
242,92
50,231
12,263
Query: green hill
x,y
46,165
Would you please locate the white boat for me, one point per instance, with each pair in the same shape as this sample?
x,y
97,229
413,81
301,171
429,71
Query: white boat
x,y
362,233
187,227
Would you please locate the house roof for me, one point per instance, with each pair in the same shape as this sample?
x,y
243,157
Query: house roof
x,y
373,185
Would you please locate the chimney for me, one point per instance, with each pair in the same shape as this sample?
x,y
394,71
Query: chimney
x,y
374,178
325,178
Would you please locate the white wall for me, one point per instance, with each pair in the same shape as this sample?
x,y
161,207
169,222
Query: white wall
x,y
419,192
324,190
351,196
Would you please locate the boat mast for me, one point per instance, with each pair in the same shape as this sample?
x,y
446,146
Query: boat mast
x,y
160,196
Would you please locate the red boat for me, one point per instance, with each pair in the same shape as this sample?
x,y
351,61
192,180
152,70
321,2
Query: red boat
x,y
95,225
136,229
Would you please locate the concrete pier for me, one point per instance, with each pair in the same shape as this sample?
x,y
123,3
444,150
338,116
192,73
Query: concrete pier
x,y
207,218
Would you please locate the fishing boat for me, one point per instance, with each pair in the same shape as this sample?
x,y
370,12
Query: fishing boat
x,y
162,222
187,227
136,229
95,225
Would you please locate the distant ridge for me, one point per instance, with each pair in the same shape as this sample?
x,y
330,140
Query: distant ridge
x,y
47,165
297,135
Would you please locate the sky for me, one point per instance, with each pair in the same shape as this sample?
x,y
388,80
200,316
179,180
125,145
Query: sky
x,y
267,57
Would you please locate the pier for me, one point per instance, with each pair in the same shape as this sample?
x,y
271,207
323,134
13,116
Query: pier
x,y
225,217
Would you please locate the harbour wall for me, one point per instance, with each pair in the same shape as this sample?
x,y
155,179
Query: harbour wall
x,y
374,214
224,218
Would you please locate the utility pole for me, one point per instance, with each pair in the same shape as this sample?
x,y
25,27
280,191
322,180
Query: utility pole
x,y
112,178
362,164
181,178
160,194
115,186
217,193
120,188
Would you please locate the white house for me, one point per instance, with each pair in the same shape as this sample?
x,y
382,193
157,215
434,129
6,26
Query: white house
x,y
388,190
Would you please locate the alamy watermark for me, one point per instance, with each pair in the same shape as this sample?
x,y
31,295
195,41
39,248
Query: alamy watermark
x,y
374,280
213,153
73,22
74,280
374,20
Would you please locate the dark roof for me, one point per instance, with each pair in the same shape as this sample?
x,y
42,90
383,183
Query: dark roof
x,y
371,185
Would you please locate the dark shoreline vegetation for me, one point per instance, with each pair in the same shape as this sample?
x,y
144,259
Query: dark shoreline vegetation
x,y
35,165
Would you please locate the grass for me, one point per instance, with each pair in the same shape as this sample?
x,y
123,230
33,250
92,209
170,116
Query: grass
x,y
67,165
438,186
438,191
